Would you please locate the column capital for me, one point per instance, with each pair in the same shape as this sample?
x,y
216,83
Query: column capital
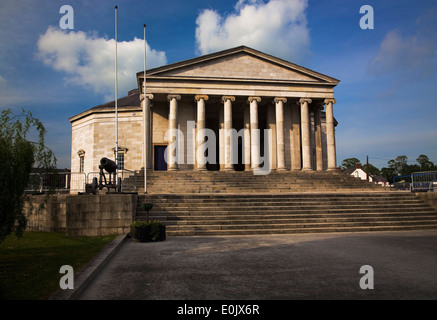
x,y
278,99
330,100
225,98
303,100
201,96
250,99
174,96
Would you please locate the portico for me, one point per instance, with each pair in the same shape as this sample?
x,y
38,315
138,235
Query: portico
x,y
274,107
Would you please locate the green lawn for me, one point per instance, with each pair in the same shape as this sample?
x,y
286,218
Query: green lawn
x,y
29,267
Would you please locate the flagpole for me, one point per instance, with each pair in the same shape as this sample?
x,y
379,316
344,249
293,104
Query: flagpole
x,y
116,102
146,117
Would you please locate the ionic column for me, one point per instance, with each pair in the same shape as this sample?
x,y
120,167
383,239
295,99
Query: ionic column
x,y
200,139
318,138
227,101
330,134
147,143
305,132
254,133
221,138
173,125
280,148
246,116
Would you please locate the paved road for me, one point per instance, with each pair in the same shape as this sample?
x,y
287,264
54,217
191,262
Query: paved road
x,y
303,266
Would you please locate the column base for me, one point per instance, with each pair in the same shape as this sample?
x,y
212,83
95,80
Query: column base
x,y
200,169
173,169
281,169
307,169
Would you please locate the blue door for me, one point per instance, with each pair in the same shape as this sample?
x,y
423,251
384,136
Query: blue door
x,y
159,160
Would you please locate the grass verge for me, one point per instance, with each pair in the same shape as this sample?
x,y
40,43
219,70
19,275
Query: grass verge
x,y
29,267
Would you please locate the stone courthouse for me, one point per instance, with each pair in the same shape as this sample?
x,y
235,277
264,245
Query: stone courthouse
x,y
239,88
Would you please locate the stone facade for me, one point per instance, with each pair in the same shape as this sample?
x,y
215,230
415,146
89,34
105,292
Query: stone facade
x,y
239,88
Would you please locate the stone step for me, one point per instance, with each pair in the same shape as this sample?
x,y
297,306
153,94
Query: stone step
x,y
187,182
291,225
275,212
211,220
267,231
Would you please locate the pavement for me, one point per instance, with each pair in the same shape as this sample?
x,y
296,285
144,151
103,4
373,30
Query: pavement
x,y
264,267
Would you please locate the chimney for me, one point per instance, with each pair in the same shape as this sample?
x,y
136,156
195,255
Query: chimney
x,y
358,166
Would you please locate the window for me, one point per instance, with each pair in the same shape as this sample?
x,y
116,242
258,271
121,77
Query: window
x,y
120,158
81,163
81,155
120,161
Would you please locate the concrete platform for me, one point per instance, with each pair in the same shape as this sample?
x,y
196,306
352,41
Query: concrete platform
x,y
299,266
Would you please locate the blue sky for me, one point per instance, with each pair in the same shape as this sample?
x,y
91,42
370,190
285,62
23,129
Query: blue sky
x,y
385,101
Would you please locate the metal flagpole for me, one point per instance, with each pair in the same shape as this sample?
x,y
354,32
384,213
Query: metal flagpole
x,y
116,102
146,117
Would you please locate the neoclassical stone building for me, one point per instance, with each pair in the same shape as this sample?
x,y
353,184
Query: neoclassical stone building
x,y
281,113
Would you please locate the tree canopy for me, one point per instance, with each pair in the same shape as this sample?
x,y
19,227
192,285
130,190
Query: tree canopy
x,y
350,163
18,155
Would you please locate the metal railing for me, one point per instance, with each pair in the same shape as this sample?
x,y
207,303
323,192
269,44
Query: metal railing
x,y
58,182
423,181
72,182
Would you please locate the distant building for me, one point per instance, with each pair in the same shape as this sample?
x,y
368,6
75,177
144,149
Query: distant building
x,y
358,172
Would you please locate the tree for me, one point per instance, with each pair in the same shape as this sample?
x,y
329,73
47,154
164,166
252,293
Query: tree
x,y
424,163
399,164
18,156
388,173
350,162
374,171
400,167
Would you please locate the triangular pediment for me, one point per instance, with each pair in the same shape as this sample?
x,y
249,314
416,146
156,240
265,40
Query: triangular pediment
x,y
240,63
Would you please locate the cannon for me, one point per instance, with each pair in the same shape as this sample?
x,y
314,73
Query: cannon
x,y
107,164
111,168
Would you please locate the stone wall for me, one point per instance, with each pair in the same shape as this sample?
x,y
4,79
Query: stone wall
x,y
46,216
82,215
429,197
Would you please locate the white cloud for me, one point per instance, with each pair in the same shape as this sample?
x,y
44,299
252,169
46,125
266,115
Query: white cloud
x,y
2,81
414,55
278,27
89,60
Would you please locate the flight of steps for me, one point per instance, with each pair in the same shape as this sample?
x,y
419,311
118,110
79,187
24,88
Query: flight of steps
x,y
222,203
246,182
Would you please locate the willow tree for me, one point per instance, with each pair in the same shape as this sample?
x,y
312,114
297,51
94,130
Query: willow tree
x,y
18,155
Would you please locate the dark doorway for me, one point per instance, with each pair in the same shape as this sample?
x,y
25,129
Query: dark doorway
x,y
212,123
238,124
159,160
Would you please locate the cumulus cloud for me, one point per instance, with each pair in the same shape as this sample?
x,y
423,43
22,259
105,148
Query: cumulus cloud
x,y
278,27
413,55
89,60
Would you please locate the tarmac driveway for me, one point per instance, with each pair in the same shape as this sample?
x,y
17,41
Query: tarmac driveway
x,y
299,266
